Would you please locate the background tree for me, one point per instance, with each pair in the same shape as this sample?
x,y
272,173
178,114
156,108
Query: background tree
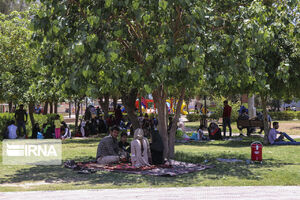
x,y
260,55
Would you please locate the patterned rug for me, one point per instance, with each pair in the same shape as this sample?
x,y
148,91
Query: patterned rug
x,y
174,168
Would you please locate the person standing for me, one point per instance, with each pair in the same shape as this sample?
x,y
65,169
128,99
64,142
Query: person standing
x,y
118,115
226,118
20,114
57,127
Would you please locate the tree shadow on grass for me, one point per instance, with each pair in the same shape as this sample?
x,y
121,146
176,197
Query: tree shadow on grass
x,y
61,175
241,170
245,142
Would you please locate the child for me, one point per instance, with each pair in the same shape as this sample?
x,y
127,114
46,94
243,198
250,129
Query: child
x,y
57,127
67,131
124,145
201,133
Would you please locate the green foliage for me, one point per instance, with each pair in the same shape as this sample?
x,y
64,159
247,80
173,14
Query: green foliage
x,y
218,113
16,57
193,117
5,118
285,115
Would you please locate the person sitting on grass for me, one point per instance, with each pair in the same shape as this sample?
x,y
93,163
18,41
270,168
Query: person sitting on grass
x,y
35,130
124,145
108,148
47,131
140,149
200,132
157,148
12,130
214,132
66,130
279,141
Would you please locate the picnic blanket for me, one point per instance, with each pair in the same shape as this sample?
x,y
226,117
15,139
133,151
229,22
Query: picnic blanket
x,y
174,168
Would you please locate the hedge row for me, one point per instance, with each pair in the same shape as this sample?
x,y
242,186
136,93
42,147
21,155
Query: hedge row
x,y
5,118
285,115
197,117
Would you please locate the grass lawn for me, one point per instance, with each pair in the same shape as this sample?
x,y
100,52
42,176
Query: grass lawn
x,y
290,127
281,166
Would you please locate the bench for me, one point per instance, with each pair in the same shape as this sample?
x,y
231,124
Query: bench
x,y
250,124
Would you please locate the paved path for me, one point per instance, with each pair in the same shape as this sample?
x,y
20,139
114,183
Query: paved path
x,y
189,193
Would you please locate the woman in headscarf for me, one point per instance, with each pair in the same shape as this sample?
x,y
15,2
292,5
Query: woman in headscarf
x,y
214,132
140,151
157,149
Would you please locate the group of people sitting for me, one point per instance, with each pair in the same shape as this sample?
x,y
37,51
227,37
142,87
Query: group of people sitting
x,y
214,133
140,152
53,129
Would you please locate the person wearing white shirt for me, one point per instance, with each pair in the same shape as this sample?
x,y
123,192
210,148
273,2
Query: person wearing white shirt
x,y
279,141
12,130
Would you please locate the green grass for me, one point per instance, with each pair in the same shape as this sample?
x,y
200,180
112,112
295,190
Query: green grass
x,y
281,166
291,127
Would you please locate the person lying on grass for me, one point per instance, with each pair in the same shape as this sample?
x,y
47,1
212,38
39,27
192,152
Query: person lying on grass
x,y
279,141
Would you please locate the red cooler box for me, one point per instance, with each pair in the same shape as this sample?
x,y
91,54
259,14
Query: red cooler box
x,y
256,151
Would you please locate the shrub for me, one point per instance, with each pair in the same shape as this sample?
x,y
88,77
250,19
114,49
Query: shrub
x,y
284,115
193,117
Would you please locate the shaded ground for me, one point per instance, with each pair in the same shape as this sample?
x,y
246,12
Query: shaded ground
x,y
280,167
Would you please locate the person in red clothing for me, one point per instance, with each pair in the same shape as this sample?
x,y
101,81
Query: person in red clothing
x,y
226,118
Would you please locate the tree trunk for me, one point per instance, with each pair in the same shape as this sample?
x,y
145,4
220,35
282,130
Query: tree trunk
x,y
70,109
31,111
128,99
265,118
160,96
55,107
174,124
45,112
77,108
104,104
10,106
51,107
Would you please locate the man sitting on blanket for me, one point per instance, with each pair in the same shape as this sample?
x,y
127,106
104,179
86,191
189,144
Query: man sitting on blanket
x,y
108,148
279,141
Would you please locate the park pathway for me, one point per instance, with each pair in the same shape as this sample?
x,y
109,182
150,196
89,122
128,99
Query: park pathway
x,y
189,193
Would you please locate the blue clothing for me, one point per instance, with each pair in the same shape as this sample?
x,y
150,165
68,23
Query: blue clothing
x,y
281,142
